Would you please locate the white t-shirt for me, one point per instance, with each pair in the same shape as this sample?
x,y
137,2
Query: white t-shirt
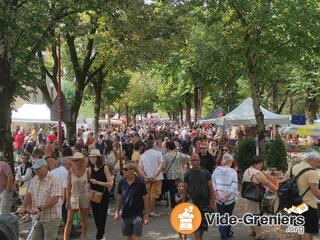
x,y
151,161
142,131
61,173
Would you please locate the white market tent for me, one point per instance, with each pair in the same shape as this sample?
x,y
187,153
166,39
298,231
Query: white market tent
x,y
244,115
32,113
116,120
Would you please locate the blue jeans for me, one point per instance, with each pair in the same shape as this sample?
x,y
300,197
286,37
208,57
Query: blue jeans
x,y
223,209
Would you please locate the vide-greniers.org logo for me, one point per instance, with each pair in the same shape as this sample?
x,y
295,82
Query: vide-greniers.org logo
x,y
294,223
186,219
251,219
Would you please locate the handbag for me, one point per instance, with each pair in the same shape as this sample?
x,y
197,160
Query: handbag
x,y
252,191
165,174
95,196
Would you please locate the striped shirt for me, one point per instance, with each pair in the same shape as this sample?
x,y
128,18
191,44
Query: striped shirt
x,y
41,191
225,181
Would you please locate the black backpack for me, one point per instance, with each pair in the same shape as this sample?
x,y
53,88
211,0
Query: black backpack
x,y
288,191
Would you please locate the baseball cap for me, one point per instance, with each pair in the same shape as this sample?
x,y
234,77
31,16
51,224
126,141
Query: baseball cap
x,y
39,163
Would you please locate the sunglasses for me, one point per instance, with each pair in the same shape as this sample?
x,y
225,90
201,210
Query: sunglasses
x,y
127,169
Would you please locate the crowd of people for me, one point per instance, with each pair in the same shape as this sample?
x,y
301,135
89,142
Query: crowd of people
x,y
135,166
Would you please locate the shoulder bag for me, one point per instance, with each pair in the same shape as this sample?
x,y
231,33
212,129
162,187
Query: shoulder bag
x,y
252,191
165,174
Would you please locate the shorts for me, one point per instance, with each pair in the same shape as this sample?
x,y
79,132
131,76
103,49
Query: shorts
x,y
204,224
80,202
132,226
154,189
311,221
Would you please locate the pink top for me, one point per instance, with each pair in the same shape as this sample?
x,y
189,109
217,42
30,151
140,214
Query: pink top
x,y
5,172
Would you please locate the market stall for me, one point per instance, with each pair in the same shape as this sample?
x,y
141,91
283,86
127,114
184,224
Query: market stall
x,y
244,115
32,113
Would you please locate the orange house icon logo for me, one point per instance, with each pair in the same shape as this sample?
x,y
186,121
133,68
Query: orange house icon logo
x,y
185,218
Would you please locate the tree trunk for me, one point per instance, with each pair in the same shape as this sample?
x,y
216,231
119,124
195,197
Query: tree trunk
x,y
7,89
71,132
134,119
274,97
181,113
109,116
266,101
82,75
7,83
196,95
312,108
77,100
97,85
251,64
188,110
280,109
127,114
291,106
53,76
175,117
198,98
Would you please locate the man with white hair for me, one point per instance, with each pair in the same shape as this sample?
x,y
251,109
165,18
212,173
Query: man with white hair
x,y
308,185
61,173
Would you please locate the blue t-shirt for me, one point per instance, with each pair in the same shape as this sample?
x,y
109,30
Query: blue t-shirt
x,y
178,195
132,197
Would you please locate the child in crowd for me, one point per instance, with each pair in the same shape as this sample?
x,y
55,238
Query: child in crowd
x,y
178,198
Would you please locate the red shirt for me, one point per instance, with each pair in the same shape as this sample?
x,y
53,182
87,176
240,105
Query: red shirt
x,y
90,141
19,139
52,138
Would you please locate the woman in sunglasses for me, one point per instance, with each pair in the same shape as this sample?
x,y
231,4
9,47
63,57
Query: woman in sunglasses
x,y
102,182
226,149
77,194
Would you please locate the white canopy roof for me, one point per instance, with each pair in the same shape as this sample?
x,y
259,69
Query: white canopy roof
x,y
244,115
32,113
113,120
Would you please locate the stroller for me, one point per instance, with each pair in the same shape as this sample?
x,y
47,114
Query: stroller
x,y
9,227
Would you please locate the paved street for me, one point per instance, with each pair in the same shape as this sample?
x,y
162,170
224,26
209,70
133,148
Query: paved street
x,y
159,228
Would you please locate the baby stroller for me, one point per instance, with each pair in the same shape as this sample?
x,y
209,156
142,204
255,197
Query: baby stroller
x,y
9,227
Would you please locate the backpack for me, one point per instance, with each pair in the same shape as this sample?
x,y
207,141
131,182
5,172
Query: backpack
x,y
288,191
